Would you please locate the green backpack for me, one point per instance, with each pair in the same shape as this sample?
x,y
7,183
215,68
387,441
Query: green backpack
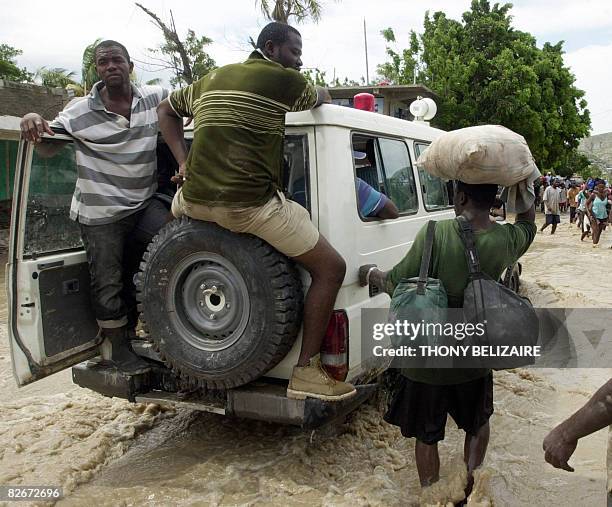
x,y
422,293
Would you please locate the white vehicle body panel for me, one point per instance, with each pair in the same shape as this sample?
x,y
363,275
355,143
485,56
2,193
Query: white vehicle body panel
x,y
333,204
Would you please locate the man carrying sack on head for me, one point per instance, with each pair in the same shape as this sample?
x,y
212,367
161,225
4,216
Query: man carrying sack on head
x,y
474,159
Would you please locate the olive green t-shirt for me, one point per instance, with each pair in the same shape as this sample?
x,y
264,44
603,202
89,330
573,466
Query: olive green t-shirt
x,y
498,247
239,125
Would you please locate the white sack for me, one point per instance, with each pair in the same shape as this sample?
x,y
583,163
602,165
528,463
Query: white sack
x,y
485,154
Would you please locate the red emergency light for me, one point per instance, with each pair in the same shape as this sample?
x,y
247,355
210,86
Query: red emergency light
x,y
364,101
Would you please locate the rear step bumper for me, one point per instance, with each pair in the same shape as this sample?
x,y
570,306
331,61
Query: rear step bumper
x,y
263,400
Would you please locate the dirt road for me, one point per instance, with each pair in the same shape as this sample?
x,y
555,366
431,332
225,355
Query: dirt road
x,y
110,452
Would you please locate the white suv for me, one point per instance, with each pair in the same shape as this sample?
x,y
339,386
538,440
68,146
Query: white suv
x,y
221,311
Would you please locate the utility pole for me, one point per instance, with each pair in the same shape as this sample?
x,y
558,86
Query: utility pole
x,y
365,40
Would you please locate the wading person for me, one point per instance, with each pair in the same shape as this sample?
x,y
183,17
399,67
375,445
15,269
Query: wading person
x,y
571,200
115,137
426,396
233,176
596,210
551,200
583,224
562,197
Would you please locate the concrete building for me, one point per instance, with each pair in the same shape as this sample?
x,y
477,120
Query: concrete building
x,y
391,100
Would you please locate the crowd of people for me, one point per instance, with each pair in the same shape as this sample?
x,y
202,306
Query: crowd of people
x,y
588,204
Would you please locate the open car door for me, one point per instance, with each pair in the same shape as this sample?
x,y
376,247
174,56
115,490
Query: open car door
x,y
51,322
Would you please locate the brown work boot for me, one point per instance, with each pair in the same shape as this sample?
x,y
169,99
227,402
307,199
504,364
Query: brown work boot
x,y
312,381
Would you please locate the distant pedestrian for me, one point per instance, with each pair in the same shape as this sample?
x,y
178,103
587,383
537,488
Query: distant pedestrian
x,y
583,225
597,212
543,188
571,200
551,207
562,197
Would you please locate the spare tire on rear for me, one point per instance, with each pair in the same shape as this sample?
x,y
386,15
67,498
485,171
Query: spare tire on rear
x,y
221,308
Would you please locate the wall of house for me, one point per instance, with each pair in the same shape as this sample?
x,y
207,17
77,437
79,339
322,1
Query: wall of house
x,y
17,99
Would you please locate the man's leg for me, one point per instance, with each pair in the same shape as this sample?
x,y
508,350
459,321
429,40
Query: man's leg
x,y
427,462
596,228
472,406
104,245
474,451
147,224
327,270
554,228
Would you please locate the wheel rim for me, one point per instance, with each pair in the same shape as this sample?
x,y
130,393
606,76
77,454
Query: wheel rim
x,y
208,298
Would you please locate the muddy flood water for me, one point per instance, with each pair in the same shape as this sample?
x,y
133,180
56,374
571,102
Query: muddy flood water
x,y
110,452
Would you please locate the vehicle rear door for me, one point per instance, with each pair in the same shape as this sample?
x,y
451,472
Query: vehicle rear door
x,y
51,323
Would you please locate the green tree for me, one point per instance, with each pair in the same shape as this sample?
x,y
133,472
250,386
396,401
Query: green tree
x,y
8,67
316,77
55,77
402,66
283,10
485,71
186,59
348,82
89,75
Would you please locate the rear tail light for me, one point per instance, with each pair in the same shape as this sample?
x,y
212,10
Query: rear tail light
x,y
334,351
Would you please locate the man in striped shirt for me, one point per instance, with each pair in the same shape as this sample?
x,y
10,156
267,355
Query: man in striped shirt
x,y
115,136
233,176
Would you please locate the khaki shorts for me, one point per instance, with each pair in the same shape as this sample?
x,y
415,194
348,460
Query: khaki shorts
x,y
283,224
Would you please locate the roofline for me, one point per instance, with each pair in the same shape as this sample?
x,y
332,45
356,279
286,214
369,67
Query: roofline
x,y
384,87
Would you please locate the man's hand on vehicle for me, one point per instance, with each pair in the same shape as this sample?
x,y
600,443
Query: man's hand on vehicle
x,y
33,126
323,96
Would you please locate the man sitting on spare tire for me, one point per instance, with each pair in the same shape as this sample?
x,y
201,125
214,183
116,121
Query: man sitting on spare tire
x,y
233,177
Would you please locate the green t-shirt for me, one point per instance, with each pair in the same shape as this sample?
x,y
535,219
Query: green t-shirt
x,y
238,110
498,247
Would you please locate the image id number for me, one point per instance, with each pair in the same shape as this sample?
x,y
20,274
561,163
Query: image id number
x,y
16,493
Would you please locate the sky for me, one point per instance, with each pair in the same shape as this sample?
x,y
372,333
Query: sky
x,y
54,34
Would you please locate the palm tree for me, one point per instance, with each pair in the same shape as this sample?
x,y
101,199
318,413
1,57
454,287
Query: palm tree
x,y
282,10
55,77
89,76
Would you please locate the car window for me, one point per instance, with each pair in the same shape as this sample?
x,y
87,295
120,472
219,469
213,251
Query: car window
x,y
383,164
398,176
53,174
296,169
435,191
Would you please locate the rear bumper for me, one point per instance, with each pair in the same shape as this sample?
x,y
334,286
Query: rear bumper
x,y
264,400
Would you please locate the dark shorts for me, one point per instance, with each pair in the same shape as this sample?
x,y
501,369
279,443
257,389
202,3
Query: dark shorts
x,y
601,222
420,410
553,219
572,212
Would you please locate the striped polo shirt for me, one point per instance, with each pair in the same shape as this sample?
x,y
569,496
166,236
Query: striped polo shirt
x,y
116,158
236,158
